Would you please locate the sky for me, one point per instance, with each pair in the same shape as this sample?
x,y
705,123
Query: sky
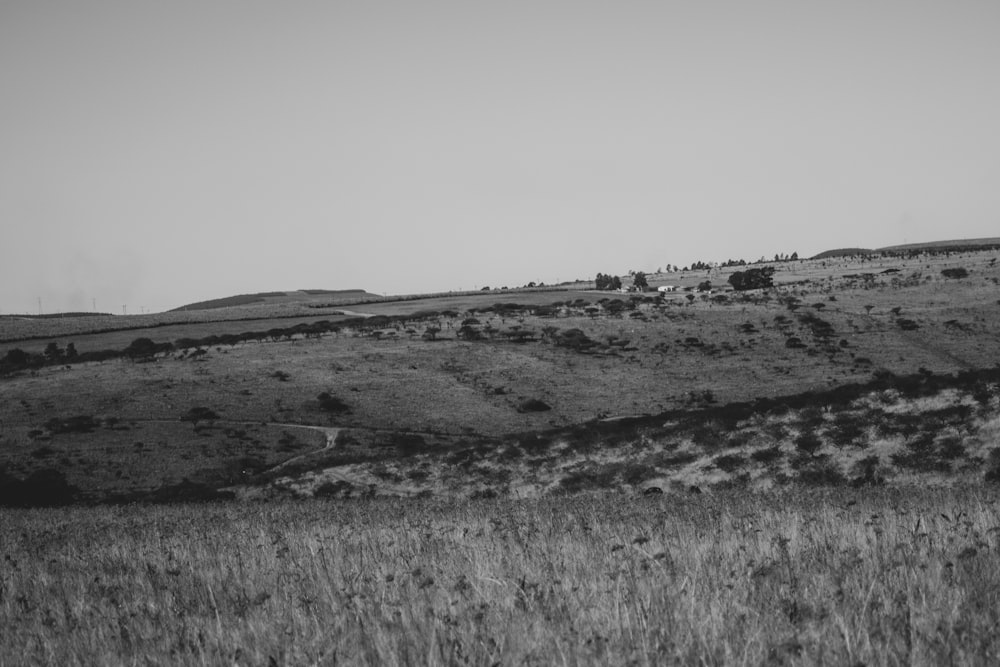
x,y
154,154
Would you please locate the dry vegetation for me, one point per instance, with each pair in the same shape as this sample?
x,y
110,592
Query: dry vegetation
x,y
802,475
872,577
511,393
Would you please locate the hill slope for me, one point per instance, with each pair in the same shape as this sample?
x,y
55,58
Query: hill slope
x,y
296,296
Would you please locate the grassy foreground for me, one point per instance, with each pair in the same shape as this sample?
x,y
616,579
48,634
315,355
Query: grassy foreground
x,y
866,576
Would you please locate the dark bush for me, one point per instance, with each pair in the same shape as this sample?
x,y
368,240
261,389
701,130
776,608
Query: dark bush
x,y
533,405
469,332
822,473
17,359
339,488
144,348
848,429
199,413
958,272
867,472
808,443
77,424
409,444
921,455
729,462
332,404
574,339
187,491
768,455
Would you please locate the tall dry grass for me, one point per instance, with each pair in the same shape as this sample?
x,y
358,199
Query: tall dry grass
x,y
873,577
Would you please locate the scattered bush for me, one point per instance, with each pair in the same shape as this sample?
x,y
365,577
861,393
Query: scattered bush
x,y
768,455
822,473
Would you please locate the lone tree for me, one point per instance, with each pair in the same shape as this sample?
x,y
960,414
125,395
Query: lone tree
x,y
757,278
639,281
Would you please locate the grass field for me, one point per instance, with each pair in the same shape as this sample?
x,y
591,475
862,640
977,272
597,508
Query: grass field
x,y
803,475
852,577
443,381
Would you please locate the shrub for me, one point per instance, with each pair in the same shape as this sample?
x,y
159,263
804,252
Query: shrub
x,y
958,272
768,455
868,472
847,430
145,348
533,405
808,443
199,413
822,473
409,444
77,424
574,339
332,404
729,462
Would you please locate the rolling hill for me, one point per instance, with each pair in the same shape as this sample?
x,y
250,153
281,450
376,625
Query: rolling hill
x,y
295,296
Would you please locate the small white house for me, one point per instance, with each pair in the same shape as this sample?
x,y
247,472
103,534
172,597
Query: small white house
x,y
667,288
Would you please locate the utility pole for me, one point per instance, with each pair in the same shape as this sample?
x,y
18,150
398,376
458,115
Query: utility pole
x,y
123,309
94,302
39,305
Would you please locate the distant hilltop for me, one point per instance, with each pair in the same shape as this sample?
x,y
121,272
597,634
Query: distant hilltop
x,y
955,245
294,296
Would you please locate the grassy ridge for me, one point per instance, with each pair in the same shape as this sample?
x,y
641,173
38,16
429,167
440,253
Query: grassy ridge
x,y
804,578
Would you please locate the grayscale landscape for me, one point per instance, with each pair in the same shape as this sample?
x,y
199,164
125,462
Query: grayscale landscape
x,y
802,471
519,333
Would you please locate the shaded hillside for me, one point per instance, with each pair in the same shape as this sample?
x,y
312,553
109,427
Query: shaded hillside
x,y
933,247
273,297
843,252
956,245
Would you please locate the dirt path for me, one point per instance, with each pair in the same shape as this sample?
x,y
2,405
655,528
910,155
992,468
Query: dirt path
x,y
921,342
328,474
331,439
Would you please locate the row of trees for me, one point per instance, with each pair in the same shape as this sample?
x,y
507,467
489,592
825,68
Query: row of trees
x,y
729,263
608,282
761,278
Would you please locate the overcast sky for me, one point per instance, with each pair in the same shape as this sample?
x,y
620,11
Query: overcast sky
x,y
158,153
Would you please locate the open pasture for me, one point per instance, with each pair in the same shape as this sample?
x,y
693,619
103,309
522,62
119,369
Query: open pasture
x,y
865,577
507,366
